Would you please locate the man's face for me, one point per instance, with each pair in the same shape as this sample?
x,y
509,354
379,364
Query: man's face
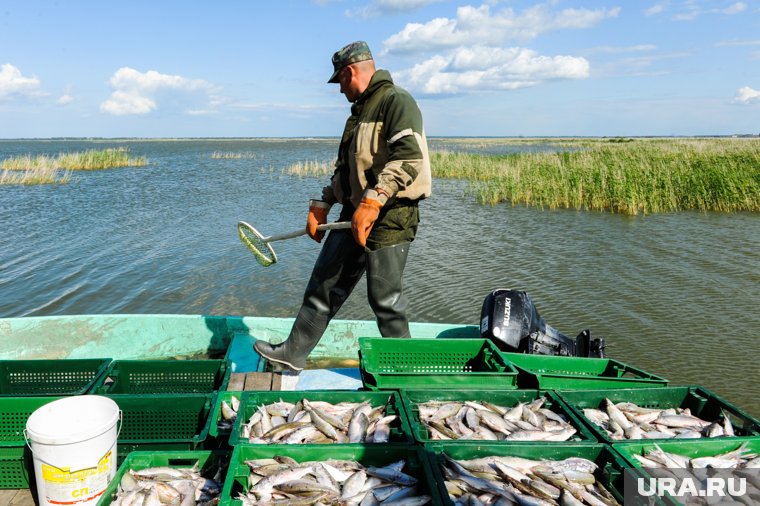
x,y
348,84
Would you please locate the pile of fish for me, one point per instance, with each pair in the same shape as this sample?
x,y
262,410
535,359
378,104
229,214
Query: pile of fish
x,y
156,486
735,459
515,480
318,422
283,481
626,420
482,420
229,414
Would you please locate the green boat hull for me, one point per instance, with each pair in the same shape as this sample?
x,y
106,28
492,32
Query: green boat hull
x,y
124,337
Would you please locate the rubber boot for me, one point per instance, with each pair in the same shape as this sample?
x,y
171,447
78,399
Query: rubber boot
x,y
304,336
385,268
338,268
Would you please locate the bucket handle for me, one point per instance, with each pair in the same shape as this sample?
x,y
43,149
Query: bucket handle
x,y
118,433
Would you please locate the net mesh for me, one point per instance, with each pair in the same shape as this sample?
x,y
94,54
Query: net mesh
x,y
254,241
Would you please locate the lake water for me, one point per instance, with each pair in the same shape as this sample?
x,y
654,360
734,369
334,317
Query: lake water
x,y
675,294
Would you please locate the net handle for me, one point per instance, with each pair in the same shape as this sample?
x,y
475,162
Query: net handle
x,y
338,225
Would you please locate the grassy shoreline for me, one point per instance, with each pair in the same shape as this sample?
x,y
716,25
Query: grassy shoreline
x,y
43,169
620,176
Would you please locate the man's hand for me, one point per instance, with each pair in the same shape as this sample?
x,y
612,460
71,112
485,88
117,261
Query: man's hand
x,y
318,210
363,219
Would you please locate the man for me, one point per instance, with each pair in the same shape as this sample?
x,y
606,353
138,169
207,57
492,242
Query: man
x,y
382,172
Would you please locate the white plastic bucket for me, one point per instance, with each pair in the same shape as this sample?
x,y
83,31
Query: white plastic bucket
x,y
73,443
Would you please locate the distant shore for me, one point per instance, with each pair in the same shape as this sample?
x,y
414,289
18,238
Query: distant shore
x,y
626,175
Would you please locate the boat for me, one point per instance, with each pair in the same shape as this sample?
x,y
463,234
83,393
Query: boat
x,y
165,336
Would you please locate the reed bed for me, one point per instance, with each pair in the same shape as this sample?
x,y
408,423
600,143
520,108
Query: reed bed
x,y
621,176
44,169
233,155
310,168
38,175
84,160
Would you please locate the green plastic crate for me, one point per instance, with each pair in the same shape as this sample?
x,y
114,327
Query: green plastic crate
x,y
50,377
691,448
701,402
216,415
15,467
413,398
610,472
570,373
251,400
460,364
207,461
14,412
168,421
164,377
165,422
377,455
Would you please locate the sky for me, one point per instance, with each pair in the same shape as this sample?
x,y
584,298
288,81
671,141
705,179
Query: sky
x,y
76,68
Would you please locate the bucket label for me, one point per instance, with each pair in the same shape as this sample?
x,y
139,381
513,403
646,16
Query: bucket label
x,y
65,487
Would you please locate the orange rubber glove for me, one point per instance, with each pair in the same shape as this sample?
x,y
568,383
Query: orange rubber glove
x,y
317,216
363,219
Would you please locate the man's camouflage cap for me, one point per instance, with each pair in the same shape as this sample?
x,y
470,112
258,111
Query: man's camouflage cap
x,y
352,53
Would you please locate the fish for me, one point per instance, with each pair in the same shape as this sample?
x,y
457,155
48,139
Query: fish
x,y
357,429
510,480
319,422
626,420
333,482
476,419
738,458
180,486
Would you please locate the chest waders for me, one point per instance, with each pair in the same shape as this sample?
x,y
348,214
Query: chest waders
x,y
340,265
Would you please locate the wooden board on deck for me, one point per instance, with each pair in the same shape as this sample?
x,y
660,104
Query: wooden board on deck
x,y
20,497
261,381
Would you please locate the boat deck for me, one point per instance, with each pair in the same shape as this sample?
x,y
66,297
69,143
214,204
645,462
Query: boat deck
x,y
21,497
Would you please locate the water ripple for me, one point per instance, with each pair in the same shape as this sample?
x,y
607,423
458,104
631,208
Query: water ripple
x,y
674,294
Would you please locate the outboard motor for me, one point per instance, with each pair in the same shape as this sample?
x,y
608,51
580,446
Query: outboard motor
x,y
512,322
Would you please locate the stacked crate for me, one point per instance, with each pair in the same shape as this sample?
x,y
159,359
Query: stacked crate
x,y
26,385
470,372
166,405
405,373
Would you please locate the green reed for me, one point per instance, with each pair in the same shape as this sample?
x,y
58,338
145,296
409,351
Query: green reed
x,y
38,175
42,169
92,159
618,175
233,155
310,168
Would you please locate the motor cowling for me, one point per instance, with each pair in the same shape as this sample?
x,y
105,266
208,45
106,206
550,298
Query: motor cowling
x,y
510,319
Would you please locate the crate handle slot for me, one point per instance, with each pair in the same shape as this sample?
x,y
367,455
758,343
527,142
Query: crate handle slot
x,y
182,462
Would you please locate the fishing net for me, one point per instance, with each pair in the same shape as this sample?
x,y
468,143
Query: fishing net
x,y
257,244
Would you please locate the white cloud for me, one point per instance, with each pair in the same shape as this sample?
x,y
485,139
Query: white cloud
x,y
490,68
125,102
388,7
655,9
65,99
735,43
137,92
628,49
12,82
478,25
735,8
746,95
691,10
